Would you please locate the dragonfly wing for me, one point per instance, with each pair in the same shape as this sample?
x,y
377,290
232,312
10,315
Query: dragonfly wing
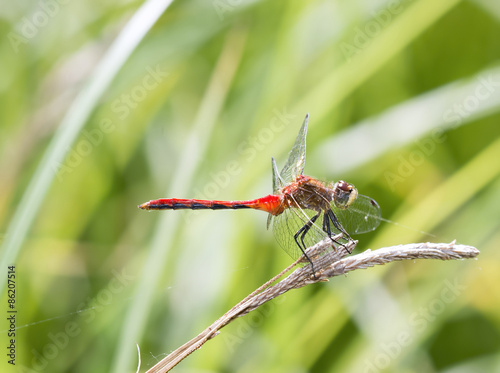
x,y
362,216
278,183
297,158
269,220
288,223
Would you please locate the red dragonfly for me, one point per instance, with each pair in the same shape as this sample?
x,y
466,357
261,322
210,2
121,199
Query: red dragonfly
x,y
295,206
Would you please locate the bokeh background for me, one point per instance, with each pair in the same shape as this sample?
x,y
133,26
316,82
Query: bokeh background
x,y
108,104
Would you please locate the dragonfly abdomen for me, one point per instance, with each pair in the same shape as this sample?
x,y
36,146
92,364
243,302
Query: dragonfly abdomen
x,y
269,204
193,204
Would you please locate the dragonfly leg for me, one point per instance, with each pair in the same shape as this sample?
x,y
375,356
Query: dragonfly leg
x,y
337,225
327,229
302,233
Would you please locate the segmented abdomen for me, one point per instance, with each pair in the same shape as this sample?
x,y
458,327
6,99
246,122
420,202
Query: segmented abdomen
x,y
268,204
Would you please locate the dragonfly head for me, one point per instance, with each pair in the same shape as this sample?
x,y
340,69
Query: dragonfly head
x,y
344,194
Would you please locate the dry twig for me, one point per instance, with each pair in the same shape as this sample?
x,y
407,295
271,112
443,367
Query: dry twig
x,y
327,264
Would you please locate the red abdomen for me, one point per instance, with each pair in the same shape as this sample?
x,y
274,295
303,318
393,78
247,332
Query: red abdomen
x,y
270,204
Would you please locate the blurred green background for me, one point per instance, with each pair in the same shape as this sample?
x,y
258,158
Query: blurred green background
x,y
105,105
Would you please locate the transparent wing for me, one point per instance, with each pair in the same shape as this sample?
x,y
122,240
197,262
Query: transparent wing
x,y
297,158
278,183
287,224
362,216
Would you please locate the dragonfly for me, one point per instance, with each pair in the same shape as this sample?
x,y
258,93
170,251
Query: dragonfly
x,y
302,210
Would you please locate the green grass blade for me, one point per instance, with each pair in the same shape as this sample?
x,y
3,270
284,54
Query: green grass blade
x,y
72,123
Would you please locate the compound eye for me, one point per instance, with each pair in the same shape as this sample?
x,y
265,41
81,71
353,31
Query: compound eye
x,y
342,185
344,194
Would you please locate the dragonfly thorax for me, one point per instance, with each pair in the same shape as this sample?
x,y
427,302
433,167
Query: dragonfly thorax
x,y
307,193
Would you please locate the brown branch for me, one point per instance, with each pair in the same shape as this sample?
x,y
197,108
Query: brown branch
x,y
327,264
